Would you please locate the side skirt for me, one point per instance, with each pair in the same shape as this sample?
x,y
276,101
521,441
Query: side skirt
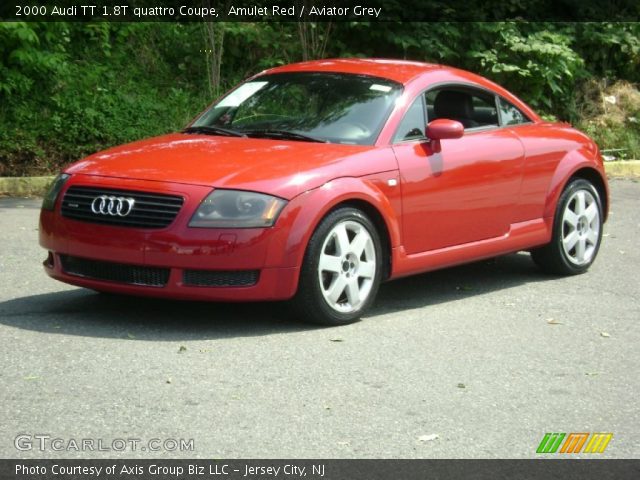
x,y
521,236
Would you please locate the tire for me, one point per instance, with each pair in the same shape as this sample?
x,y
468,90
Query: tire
x,y
577,231
341,270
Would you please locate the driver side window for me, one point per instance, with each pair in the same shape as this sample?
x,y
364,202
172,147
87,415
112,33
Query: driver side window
x,y
412,125
472,107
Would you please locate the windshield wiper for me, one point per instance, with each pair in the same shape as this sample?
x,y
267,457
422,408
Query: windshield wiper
x,y
284,134
209,130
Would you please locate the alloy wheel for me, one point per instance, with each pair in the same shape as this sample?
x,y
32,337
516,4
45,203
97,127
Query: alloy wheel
x,y
347,266
580,227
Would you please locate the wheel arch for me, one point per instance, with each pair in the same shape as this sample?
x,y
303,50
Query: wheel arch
x,y
577,165
313,206
381,227
594,177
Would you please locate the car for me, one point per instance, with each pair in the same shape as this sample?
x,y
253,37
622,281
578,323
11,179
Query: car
x,y
314,182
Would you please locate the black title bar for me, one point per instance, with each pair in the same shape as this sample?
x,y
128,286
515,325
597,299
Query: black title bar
x,y
320,10
565,468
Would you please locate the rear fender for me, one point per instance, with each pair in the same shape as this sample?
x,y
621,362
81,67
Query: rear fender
x,y
575,162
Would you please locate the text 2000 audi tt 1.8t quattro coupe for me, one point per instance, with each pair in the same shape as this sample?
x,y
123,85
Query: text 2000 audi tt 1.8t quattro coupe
x,y
314,182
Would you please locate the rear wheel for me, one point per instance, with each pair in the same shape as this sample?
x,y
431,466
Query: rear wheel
x,y
577,231
341,271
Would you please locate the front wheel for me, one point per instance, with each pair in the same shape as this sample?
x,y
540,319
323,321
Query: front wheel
x,y
577,231
341,271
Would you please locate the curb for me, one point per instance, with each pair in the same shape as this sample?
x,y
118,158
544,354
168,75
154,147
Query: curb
x,y
623,169
37,186
24,186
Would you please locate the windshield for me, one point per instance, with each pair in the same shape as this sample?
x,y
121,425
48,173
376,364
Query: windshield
x,y
327,107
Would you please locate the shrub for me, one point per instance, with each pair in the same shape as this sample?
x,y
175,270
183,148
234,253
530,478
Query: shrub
x,y
611,116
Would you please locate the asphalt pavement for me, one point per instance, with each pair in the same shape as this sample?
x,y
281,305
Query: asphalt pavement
x,y
478,361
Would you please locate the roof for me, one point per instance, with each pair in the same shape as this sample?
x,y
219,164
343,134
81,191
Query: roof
x,y
401,71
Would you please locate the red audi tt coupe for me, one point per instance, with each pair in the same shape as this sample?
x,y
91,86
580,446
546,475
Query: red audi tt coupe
x,y
316,181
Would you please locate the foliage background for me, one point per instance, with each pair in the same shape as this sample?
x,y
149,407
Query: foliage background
x,y
69,89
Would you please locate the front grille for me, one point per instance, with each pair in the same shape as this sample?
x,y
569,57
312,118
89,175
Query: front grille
x,y
115,272
220,278
150,210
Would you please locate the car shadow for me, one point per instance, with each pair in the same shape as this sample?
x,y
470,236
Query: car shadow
x,y
457,283
86,313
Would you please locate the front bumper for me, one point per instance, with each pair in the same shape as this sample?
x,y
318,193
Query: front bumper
x,y
273,284
177,248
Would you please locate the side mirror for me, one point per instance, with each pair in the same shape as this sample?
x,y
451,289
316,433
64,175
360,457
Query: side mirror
x,y
444,128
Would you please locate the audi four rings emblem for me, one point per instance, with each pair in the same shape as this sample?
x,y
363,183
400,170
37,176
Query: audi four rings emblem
x,y
114,206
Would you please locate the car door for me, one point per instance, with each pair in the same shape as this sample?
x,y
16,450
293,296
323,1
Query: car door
x,y
465,190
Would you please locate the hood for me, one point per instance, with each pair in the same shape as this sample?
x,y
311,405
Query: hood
x,y
282,168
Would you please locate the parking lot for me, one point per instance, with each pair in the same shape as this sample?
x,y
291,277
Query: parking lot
x,y
478,361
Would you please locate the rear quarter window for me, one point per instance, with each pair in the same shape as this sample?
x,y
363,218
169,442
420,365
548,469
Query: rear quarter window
x,y
510,114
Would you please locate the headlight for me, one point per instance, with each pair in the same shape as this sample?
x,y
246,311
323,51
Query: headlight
x,y
49,201
237,209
